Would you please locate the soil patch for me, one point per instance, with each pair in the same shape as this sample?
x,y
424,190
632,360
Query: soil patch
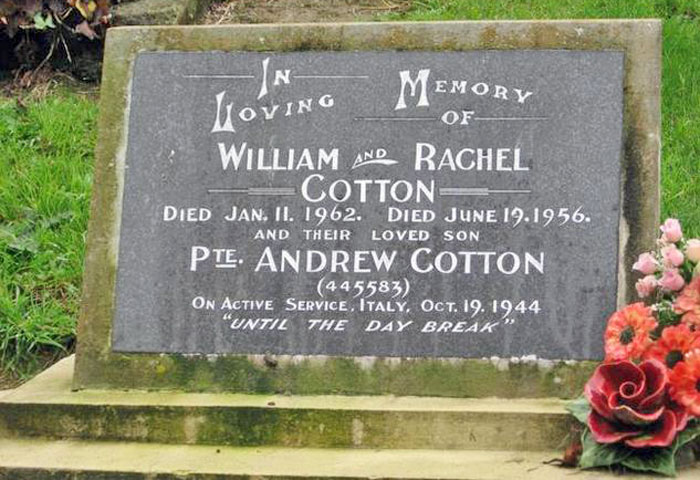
x,y
8,382
31,86
301,11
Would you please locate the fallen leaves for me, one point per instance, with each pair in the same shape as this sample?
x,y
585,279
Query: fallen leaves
x,y
42,15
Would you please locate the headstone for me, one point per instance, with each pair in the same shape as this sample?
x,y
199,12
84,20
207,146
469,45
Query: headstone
x,y
392,198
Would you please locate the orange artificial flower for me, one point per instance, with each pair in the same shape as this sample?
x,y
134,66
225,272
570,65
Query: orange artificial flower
x,y
674,343
627,334
688,303
685,382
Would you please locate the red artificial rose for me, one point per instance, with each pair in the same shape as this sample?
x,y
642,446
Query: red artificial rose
x,y
629,404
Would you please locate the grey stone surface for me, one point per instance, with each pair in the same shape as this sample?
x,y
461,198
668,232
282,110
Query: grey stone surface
x,y
99,366
568,133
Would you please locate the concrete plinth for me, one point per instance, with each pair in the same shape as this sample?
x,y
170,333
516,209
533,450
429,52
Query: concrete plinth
x,y
46,407
48,431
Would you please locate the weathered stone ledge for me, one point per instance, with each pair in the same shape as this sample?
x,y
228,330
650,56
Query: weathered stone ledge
x,y
46,407
40,459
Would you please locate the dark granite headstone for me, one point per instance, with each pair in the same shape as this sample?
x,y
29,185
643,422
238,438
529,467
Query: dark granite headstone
x,y
459,204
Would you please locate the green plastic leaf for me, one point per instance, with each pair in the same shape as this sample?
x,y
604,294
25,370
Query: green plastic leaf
x,y
684,456
691,432
657,460
599,454
580,409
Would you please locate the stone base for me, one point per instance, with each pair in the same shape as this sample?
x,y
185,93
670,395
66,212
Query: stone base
x,y
72,460
39,459
48,431
47,407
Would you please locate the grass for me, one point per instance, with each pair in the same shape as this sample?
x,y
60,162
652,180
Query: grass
x,y
46,164
680,167
45,179
551,9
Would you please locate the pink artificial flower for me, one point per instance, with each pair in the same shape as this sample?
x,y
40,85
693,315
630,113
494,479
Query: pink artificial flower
x,y
692,250
672,256
646,264
671,230
672,281
646,286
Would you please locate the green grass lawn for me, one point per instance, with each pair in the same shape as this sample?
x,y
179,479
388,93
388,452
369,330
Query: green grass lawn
x,y
46,164
45,178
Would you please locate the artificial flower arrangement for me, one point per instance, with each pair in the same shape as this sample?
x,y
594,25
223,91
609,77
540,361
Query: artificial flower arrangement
x,y
641,408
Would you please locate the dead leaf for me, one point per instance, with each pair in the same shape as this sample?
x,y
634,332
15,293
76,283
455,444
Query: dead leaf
x,y
84,29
